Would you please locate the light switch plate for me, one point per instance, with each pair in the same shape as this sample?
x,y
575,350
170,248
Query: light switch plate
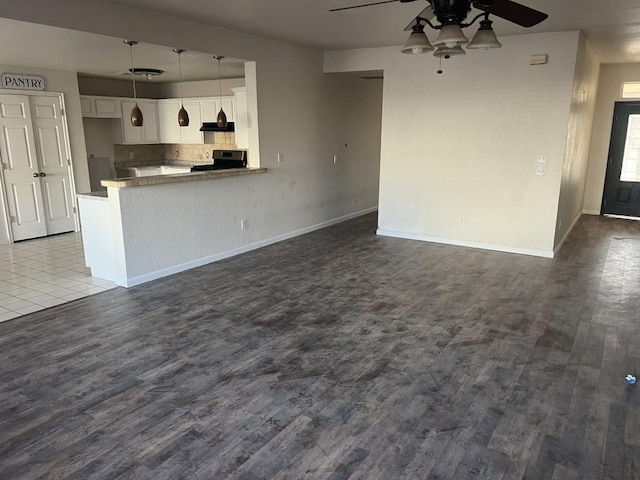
x,y
541,170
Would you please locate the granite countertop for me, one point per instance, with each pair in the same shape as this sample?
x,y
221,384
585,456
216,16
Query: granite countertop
x,y
127,182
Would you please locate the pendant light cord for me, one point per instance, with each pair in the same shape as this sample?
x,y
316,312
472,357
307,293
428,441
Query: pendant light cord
x,y
180,73
220,81
133,74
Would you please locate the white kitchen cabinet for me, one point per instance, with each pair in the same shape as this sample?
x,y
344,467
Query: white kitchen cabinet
x,y
211,106
124,133
171,131
100,107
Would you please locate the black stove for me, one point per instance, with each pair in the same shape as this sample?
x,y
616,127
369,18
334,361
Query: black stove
x,y
224,159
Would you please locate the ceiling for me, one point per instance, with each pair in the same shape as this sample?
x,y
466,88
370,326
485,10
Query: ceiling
x,y
613,27
62,49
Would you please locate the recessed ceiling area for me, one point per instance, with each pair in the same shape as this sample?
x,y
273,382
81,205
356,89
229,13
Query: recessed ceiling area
x,y
612,26
102,56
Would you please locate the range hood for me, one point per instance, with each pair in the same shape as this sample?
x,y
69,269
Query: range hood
x,y
213,127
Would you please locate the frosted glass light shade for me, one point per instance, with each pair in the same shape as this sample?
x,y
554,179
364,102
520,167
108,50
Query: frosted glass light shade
x,y
417,43
449,52
450,36
484,38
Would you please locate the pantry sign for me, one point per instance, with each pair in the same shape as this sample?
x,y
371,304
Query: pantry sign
x,y
22,82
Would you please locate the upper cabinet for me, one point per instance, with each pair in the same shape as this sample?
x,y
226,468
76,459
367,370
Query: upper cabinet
x,y
160,117
125,133
211,106
170,131
100,107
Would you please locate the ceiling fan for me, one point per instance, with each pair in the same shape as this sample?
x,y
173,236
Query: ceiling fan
x,y
450,16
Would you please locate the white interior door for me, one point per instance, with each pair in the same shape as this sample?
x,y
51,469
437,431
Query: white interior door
x,y
55,178
20,165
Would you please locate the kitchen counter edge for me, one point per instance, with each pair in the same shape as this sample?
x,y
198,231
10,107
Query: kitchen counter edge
x,y
178,177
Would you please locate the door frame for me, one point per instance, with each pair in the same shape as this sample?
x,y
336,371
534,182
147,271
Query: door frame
x,y
67,147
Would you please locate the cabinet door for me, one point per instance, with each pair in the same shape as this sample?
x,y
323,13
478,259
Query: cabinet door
x,y
168,120
150,120
228,105
130,133
87,107
209,109
108,108
192,133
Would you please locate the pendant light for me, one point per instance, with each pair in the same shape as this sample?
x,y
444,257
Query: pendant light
x,y
183,116
136,113
222,117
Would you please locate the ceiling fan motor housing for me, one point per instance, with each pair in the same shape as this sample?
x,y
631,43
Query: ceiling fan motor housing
x,y
451,11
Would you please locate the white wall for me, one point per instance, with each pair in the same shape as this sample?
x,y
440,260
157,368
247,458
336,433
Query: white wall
x,y
299,114
576,157
465,143
66,83
609,91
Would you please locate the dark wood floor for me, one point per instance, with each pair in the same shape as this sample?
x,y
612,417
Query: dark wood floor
x,y
339,355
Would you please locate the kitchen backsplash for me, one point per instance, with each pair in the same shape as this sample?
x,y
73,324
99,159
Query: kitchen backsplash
x,y
155,154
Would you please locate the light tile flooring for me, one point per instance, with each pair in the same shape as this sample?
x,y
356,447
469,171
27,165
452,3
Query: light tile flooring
x,y
40,273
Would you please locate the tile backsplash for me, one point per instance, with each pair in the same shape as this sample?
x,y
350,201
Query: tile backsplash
x,y
156,154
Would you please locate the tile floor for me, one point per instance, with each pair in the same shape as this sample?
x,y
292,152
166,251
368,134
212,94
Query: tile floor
x,y
40,273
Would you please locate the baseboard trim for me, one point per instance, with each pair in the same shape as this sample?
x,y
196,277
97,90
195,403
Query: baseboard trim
x,y
591,212
463,243
566,235
165,272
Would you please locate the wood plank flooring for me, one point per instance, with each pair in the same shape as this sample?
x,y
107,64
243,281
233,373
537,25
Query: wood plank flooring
x,y
339,355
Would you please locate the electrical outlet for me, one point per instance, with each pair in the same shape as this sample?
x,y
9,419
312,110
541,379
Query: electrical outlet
x,y
541,170
279,158
541,159
132,155
461,218
243,224
335,159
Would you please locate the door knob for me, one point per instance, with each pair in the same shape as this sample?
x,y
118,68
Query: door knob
x,y
36,175
43,174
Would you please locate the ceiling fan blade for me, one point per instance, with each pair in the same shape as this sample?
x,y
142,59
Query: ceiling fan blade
x,y
426,13
367,5
512,11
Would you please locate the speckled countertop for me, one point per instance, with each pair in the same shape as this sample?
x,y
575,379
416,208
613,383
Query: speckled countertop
x,y
179,177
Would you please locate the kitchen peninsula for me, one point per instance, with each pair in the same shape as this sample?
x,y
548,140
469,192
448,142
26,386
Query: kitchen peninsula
x,y
144,228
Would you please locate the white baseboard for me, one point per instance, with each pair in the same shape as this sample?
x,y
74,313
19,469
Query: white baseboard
x,y
566,235
591,212
164,272
463,243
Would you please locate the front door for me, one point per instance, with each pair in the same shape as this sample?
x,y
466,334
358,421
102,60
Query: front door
x,y
622,181
35,164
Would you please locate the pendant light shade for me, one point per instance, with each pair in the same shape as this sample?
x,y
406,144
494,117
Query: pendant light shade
x,y
485,38
183,116
417,41
448,52
450,36
221,121
136,114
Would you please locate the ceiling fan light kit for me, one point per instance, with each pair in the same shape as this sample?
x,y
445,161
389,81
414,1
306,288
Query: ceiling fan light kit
x,y
450,16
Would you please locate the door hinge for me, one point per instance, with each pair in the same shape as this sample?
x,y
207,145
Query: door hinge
x,y
69,161
62,111
604,203
74,210
12,218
